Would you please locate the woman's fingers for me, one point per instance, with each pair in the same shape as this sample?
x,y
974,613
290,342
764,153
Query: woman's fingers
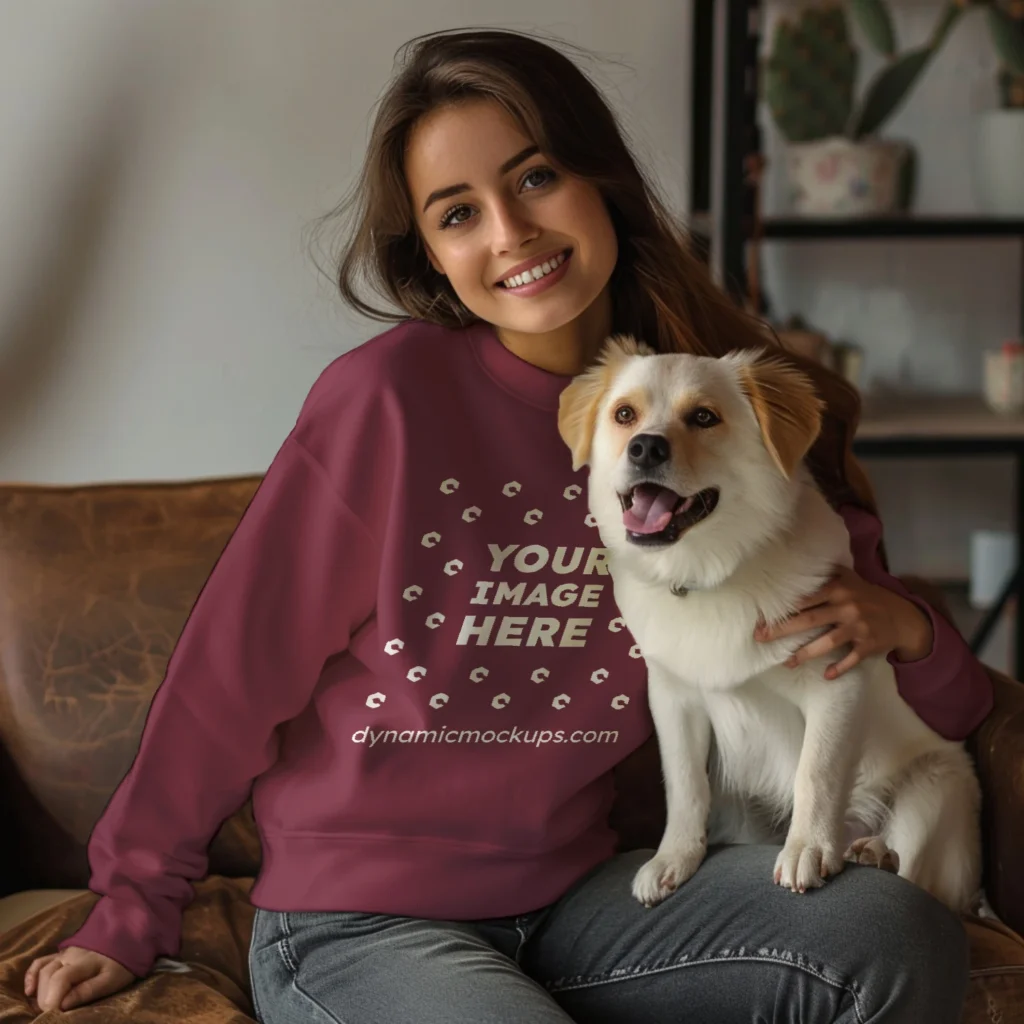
x,y
55,985
32,974
55,981
73,977
841,667
95,987
815,618
818,648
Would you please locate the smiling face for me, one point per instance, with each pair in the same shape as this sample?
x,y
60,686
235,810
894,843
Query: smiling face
x,y
694,461
489,205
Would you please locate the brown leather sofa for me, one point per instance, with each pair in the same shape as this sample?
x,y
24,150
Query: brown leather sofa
x,y
95,584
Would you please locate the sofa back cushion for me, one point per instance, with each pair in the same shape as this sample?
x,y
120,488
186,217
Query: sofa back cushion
x,y
96,583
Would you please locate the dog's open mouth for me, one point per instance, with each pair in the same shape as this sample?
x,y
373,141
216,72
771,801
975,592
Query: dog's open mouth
x,y
656,515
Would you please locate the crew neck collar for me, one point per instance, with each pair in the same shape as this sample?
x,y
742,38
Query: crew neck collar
x,y
532,384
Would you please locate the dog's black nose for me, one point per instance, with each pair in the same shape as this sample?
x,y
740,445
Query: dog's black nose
x,y
649,450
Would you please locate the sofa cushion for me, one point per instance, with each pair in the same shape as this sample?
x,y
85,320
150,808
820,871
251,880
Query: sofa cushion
x,y
20,906
210,981
96,583
996,989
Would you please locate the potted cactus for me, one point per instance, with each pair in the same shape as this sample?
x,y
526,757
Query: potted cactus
x,y
999,152
837,164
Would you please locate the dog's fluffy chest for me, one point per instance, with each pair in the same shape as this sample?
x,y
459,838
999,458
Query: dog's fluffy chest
x,y
703,638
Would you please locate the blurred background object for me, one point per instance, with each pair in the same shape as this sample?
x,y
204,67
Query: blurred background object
x,y
904,290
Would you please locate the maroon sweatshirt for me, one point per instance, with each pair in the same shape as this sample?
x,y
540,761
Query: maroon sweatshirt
x,y
410,654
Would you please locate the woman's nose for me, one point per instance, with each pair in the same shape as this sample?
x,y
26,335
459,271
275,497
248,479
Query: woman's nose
x,y
512,227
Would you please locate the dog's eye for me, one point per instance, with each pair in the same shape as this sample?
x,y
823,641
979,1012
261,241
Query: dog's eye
x,y
624,414
702,418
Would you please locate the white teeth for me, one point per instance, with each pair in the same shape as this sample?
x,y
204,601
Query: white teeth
x,y
535,273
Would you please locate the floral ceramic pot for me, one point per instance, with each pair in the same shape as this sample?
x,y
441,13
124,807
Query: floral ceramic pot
x,y
837,177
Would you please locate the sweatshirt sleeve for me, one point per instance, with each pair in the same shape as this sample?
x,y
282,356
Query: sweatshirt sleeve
x,y
948,688
293,583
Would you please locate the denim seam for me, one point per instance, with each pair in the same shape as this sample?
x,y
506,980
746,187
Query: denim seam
x,y
981,972
258,1013
598,979
288,956
522,939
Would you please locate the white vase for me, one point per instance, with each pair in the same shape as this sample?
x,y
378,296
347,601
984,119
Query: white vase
x,y
837,177
999,163
992,558
1003,380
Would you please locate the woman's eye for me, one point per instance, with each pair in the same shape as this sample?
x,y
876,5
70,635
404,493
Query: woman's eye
x,y
624,414
703,418
546,175
449,217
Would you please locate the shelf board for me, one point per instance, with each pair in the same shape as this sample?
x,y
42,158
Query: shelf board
x,y
935,418
896,226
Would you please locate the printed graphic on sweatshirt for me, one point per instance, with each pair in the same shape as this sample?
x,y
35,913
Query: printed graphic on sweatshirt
x,y
497,602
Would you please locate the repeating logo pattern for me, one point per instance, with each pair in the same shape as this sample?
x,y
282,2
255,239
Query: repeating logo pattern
x,y
526,559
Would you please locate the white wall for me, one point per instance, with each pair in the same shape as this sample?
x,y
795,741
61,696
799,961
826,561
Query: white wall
x,y
160,317
923,310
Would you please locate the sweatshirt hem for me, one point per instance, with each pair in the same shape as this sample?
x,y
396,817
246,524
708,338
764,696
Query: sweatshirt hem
x,y
423,878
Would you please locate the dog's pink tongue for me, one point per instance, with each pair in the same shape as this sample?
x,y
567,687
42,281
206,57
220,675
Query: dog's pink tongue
x,y
651,510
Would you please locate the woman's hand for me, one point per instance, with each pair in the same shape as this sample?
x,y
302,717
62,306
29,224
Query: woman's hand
x,y
871,618
73,977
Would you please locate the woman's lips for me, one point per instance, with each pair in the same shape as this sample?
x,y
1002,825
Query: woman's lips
x,y
541,284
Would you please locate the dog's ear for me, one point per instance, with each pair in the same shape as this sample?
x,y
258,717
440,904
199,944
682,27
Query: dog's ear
x,y
579,402
787,408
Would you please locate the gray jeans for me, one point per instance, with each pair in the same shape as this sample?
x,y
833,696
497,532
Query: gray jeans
x,y
728,946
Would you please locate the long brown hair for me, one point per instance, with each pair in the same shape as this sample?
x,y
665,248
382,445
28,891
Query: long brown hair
x,y
661,292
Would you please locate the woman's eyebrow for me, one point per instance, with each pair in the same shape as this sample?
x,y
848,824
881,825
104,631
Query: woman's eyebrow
x,y
452,190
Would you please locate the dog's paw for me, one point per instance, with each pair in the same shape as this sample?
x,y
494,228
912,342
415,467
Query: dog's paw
x,y
871,850
805,865
665,872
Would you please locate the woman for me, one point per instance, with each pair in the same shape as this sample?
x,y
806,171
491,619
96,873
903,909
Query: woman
x,y
423,514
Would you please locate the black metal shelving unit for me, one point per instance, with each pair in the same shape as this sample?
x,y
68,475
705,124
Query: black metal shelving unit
x,y
726,139
893,227
726,145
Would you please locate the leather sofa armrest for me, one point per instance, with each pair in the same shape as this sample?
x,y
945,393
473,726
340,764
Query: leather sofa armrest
x,y
998,750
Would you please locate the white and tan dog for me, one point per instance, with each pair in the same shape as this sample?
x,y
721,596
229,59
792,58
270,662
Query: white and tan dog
x,y
712,521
